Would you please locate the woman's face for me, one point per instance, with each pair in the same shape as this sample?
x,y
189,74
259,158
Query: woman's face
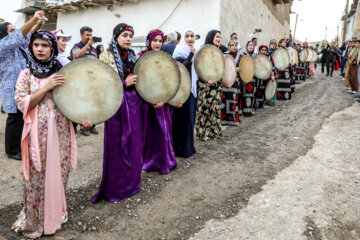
x,y
102,48
283,44
250,48
272,46
10,28
217,40
41,49
263,51
190,38
157,43
125,39
233,48
62,44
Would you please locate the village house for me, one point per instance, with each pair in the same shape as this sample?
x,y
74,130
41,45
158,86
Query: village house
x,y
242,17
352,23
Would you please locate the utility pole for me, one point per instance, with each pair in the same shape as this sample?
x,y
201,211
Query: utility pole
x,y
326,33
345,21
337,36
297,15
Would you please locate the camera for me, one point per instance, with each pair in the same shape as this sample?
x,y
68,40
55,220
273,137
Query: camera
x,y
97,39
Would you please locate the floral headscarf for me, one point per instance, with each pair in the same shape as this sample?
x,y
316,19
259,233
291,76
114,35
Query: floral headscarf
x,y
150,37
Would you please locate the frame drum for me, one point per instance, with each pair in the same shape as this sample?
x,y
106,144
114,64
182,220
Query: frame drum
x,y
185,86
230,71
247,68
159,77
93,91
303,55
270,90
209,63
310,55
263,67
292,54
281,59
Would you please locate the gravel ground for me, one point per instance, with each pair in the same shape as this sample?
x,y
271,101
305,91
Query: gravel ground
x,y
216,183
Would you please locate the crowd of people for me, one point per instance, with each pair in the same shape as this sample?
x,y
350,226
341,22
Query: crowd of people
x,y
140,137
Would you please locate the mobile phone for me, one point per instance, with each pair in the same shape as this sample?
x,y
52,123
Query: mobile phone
x,y
258,30
97,39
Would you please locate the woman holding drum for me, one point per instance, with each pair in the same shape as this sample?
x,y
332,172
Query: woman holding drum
x,y
48,143
230,101
249,89
208,117
272,49
284,78
184,118
124,132
159,152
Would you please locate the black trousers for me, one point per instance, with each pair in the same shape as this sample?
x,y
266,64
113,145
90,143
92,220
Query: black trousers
x,y
13,132
323,66
330,63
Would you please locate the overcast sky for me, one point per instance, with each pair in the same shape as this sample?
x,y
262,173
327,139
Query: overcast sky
x,y
315,16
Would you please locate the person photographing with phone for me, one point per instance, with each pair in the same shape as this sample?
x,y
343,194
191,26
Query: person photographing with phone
x,y
254,39
82,49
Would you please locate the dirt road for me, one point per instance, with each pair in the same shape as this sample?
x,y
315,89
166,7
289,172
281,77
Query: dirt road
x,y
226,181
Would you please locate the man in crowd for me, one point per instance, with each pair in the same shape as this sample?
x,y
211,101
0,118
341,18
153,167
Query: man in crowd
x,y
234,37
330,63
254,39
81,49
171,45
13,43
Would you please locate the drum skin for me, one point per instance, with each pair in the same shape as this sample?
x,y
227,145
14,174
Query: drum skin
x,y
293,55
209,63
270,90
263,67
310,55
185,86
247,68
303,55
315,56
159,77
230,71
281,59
93,91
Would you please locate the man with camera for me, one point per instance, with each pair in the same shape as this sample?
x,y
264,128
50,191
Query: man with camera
x,y
84,48
81,49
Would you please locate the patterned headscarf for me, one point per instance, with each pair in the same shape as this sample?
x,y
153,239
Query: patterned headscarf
x,y
273,41
280,42
263,46
43,69
232,42
123,57
150,37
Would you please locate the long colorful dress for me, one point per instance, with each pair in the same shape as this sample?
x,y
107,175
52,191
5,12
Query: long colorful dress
x,y
123,141
230,102
248,96
272,102
260,94
49,152
208,116
284,84
299,73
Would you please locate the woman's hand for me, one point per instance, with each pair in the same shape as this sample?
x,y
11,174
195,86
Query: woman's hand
x,y
86,125
54,81
209,83
159,104
273,78
238,69
179,105
192,49
131,80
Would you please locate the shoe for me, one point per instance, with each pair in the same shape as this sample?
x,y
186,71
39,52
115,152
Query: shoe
x,y
84,133
15,156
330,75
94,131
353,92
327,74
65,219
357,95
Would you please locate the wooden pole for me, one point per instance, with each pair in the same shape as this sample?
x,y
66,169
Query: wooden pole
x,y
345,21
297,15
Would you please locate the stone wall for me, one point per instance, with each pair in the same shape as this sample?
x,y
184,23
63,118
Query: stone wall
x,y
244,16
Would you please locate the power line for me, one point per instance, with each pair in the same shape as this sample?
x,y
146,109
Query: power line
x,y
170,14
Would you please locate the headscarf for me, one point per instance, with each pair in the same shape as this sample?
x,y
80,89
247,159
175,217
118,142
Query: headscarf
x,y
43,69
124,58
183,49
210,37
3,29
251,54
98,51
263,46
273,41
280,42
150,37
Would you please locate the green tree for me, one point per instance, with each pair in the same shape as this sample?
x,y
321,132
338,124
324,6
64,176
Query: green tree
x,y
2,20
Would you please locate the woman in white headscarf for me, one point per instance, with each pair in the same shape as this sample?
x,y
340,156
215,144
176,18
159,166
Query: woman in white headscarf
x,y
184,118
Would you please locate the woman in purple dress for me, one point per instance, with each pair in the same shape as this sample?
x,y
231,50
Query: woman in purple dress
x,y
124,132
159,152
